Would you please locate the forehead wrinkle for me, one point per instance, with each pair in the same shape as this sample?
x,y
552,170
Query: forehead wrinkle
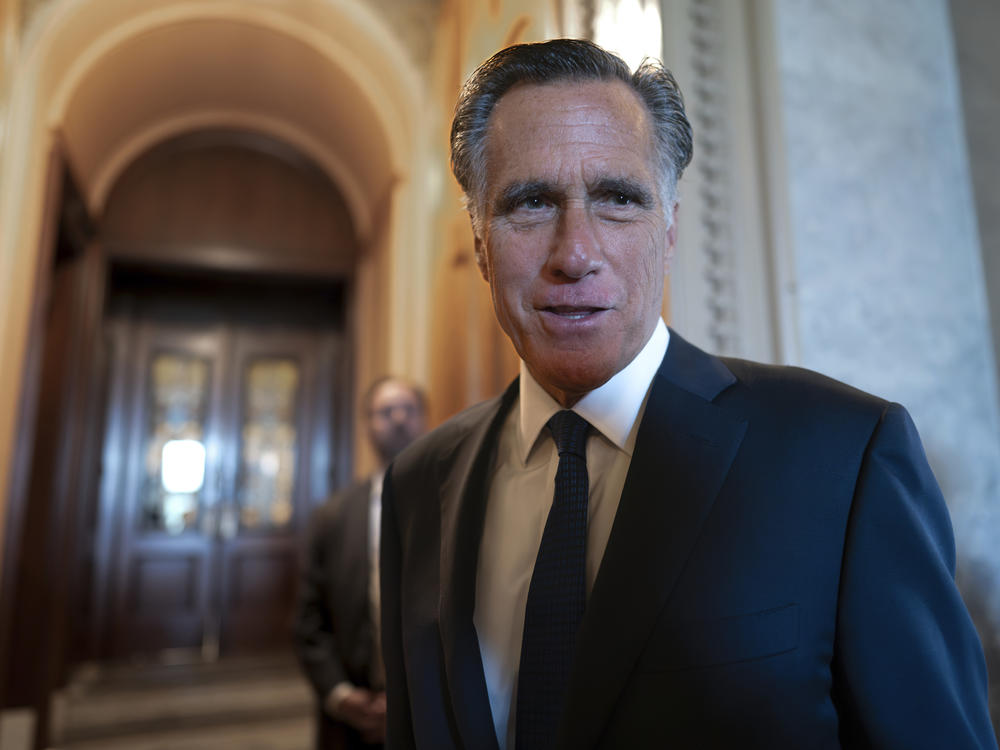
x,y
587,160
591,136
592,172
606,114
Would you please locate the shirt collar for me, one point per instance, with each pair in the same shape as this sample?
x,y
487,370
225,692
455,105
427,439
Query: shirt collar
x,y
611,408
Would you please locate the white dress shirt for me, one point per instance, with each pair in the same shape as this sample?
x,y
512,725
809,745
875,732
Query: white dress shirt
x,y
376,669
522,484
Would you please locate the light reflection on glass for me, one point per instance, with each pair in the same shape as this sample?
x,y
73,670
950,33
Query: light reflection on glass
x,y
183,466
174,451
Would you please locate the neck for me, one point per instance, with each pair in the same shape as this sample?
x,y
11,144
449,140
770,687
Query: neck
x,y
566,399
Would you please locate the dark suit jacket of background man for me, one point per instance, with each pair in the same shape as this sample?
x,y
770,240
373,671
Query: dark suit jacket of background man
x,y
334,634
779,575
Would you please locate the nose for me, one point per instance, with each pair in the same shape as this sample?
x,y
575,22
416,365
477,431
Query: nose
x,y
399,413
576,247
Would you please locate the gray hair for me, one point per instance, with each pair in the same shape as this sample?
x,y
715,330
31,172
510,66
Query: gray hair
x,y
565,60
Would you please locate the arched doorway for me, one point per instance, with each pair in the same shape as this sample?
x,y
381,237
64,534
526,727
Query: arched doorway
x,y
100,81
228,412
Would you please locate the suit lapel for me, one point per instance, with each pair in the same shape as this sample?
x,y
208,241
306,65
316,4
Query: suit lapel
x,y
683,451
464,490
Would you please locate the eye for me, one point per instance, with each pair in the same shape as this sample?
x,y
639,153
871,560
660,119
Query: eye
x,y
623,195
533,201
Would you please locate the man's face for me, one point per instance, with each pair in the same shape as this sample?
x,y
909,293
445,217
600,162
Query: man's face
x,y
574,240
395,419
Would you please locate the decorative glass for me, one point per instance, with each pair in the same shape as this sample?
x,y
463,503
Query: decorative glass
x,y
269,443
175,442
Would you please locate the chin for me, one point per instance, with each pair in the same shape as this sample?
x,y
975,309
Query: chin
x,y
580,382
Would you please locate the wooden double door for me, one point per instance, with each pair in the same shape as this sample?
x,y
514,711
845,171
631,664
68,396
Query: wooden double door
x,y
226,427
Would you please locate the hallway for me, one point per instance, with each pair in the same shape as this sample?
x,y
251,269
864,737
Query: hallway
x,y
248,704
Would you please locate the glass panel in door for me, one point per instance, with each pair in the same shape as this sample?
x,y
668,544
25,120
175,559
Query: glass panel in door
x,y
174,456
269,443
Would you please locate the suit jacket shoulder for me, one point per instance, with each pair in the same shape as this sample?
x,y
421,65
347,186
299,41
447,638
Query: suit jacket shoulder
x,y
798,384
453,445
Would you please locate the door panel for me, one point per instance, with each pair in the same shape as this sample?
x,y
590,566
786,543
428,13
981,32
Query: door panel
x,y
164,592
165,601
226,448
259,539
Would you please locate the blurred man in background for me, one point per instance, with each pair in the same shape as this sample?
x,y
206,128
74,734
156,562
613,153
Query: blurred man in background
x,y
337,626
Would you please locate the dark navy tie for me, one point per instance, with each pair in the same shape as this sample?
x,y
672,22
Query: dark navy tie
x,y
557,594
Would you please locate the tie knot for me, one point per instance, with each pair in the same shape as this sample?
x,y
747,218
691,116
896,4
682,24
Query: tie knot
x,y
569,430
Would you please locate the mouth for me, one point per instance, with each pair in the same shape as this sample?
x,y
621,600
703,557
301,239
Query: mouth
x,y
572,312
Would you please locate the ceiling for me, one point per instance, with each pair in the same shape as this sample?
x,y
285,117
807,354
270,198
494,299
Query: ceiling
x,y
291,75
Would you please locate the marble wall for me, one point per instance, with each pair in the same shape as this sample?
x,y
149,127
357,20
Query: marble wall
x,y
891,296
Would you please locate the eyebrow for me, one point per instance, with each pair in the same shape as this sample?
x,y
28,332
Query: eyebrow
x,y
516,193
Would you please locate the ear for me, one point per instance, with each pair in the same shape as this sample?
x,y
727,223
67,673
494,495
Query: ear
x,y
668,256
481,258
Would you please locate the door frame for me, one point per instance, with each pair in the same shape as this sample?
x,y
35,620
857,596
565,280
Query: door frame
x,y
44,506
128,331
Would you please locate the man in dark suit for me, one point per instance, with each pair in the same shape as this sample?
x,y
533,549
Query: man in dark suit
x,y
336,629
640,545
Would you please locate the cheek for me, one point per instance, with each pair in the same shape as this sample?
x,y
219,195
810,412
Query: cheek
x,y
502,292
643,264
511,272
653,270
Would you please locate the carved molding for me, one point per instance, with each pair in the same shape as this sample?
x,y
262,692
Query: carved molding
x,y
722,277
707,103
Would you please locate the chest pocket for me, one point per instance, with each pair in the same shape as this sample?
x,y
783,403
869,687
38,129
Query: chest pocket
x,y
694,643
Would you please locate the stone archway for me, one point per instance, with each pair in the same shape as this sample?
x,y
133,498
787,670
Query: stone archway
x,y
98,81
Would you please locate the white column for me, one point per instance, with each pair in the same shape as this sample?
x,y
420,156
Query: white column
x,y
891,293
